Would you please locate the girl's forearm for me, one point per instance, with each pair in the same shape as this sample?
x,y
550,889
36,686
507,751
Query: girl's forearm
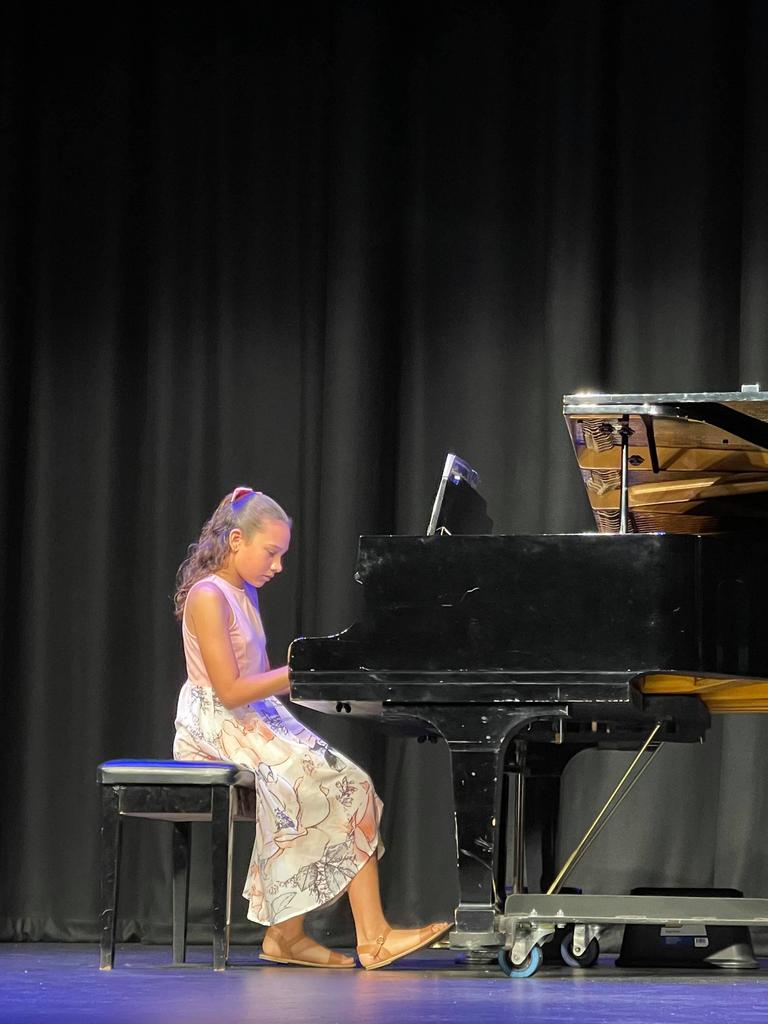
x,y
246,689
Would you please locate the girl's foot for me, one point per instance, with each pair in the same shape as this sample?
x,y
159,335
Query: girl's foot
x,y
398,942
301,951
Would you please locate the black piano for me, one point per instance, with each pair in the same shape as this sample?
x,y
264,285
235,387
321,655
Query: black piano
x,y
521,651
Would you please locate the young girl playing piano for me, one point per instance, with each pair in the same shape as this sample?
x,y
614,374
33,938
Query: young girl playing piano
x,y
317,813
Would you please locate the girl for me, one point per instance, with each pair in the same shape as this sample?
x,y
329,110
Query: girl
x,y
317,814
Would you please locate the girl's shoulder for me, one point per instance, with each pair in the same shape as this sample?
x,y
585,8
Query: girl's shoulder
x,y
207,606
206,594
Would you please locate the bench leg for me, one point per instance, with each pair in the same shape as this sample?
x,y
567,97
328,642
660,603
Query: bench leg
x,y
111,834
181,859
222,808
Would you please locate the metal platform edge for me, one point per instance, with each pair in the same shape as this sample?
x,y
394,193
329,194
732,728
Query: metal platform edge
x,y
537,909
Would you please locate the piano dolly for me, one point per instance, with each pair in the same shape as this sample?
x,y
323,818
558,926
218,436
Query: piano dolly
x,y
531,920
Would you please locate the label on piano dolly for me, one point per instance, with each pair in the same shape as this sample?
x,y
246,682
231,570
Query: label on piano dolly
x,y
683,933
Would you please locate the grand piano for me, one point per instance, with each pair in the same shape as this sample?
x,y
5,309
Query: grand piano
x,y
521,651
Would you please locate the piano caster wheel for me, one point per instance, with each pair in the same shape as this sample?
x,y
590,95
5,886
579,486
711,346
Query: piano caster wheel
x,y
342,706
526,969
587,959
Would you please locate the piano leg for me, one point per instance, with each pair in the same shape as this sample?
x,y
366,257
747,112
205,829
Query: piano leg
x,y
477,784
512,843
477,737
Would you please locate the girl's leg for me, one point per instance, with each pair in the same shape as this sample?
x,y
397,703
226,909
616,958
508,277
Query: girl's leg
x,y
365,900
377,943
288,943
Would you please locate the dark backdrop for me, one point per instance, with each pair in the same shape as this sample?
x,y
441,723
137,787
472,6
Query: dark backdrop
x,y
312,251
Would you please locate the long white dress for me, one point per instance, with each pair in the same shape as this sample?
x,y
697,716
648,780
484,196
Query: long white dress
x,y
317,813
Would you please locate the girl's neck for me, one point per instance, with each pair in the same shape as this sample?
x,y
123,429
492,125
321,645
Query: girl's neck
x,y
230,575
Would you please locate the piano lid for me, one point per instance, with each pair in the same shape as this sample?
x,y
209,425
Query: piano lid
x,y
697,463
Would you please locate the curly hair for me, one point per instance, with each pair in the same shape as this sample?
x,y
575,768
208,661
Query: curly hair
x,y
242,508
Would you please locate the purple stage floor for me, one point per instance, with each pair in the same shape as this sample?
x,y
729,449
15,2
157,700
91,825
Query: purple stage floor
x,y
61,983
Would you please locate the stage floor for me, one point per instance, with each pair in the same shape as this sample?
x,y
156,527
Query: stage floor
x,y
62,983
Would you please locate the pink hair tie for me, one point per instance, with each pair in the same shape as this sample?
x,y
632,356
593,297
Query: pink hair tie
x,y
240,492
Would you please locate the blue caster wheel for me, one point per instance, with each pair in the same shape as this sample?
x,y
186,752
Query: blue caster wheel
x,y
526,969
586,959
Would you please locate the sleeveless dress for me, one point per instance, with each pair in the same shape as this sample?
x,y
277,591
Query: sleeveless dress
x,y
317,813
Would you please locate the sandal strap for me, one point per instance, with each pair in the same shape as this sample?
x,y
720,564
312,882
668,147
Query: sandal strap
x,y
293,950
376,954
335,958
374,948
284,948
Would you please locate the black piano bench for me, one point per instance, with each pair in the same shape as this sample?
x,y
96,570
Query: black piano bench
x,y
180,792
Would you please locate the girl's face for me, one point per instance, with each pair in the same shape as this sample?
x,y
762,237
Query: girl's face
x,y
259,558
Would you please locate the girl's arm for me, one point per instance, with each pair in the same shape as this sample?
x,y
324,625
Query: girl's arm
x,y
208,616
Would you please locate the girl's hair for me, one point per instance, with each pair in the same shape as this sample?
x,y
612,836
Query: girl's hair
x,y
242,508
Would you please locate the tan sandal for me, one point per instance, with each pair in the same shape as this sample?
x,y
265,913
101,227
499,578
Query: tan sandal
x,y
373,955
290,953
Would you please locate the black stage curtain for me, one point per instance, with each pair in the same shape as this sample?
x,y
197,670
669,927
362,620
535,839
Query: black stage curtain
x,y
312,251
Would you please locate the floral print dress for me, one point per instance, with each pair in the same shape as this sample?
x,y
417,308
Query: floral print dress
x,y
317,813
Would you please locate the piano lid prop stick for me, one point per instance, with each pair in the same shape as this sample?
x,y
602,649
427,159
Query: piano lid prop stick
x,y
626,431
588,842
605,812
